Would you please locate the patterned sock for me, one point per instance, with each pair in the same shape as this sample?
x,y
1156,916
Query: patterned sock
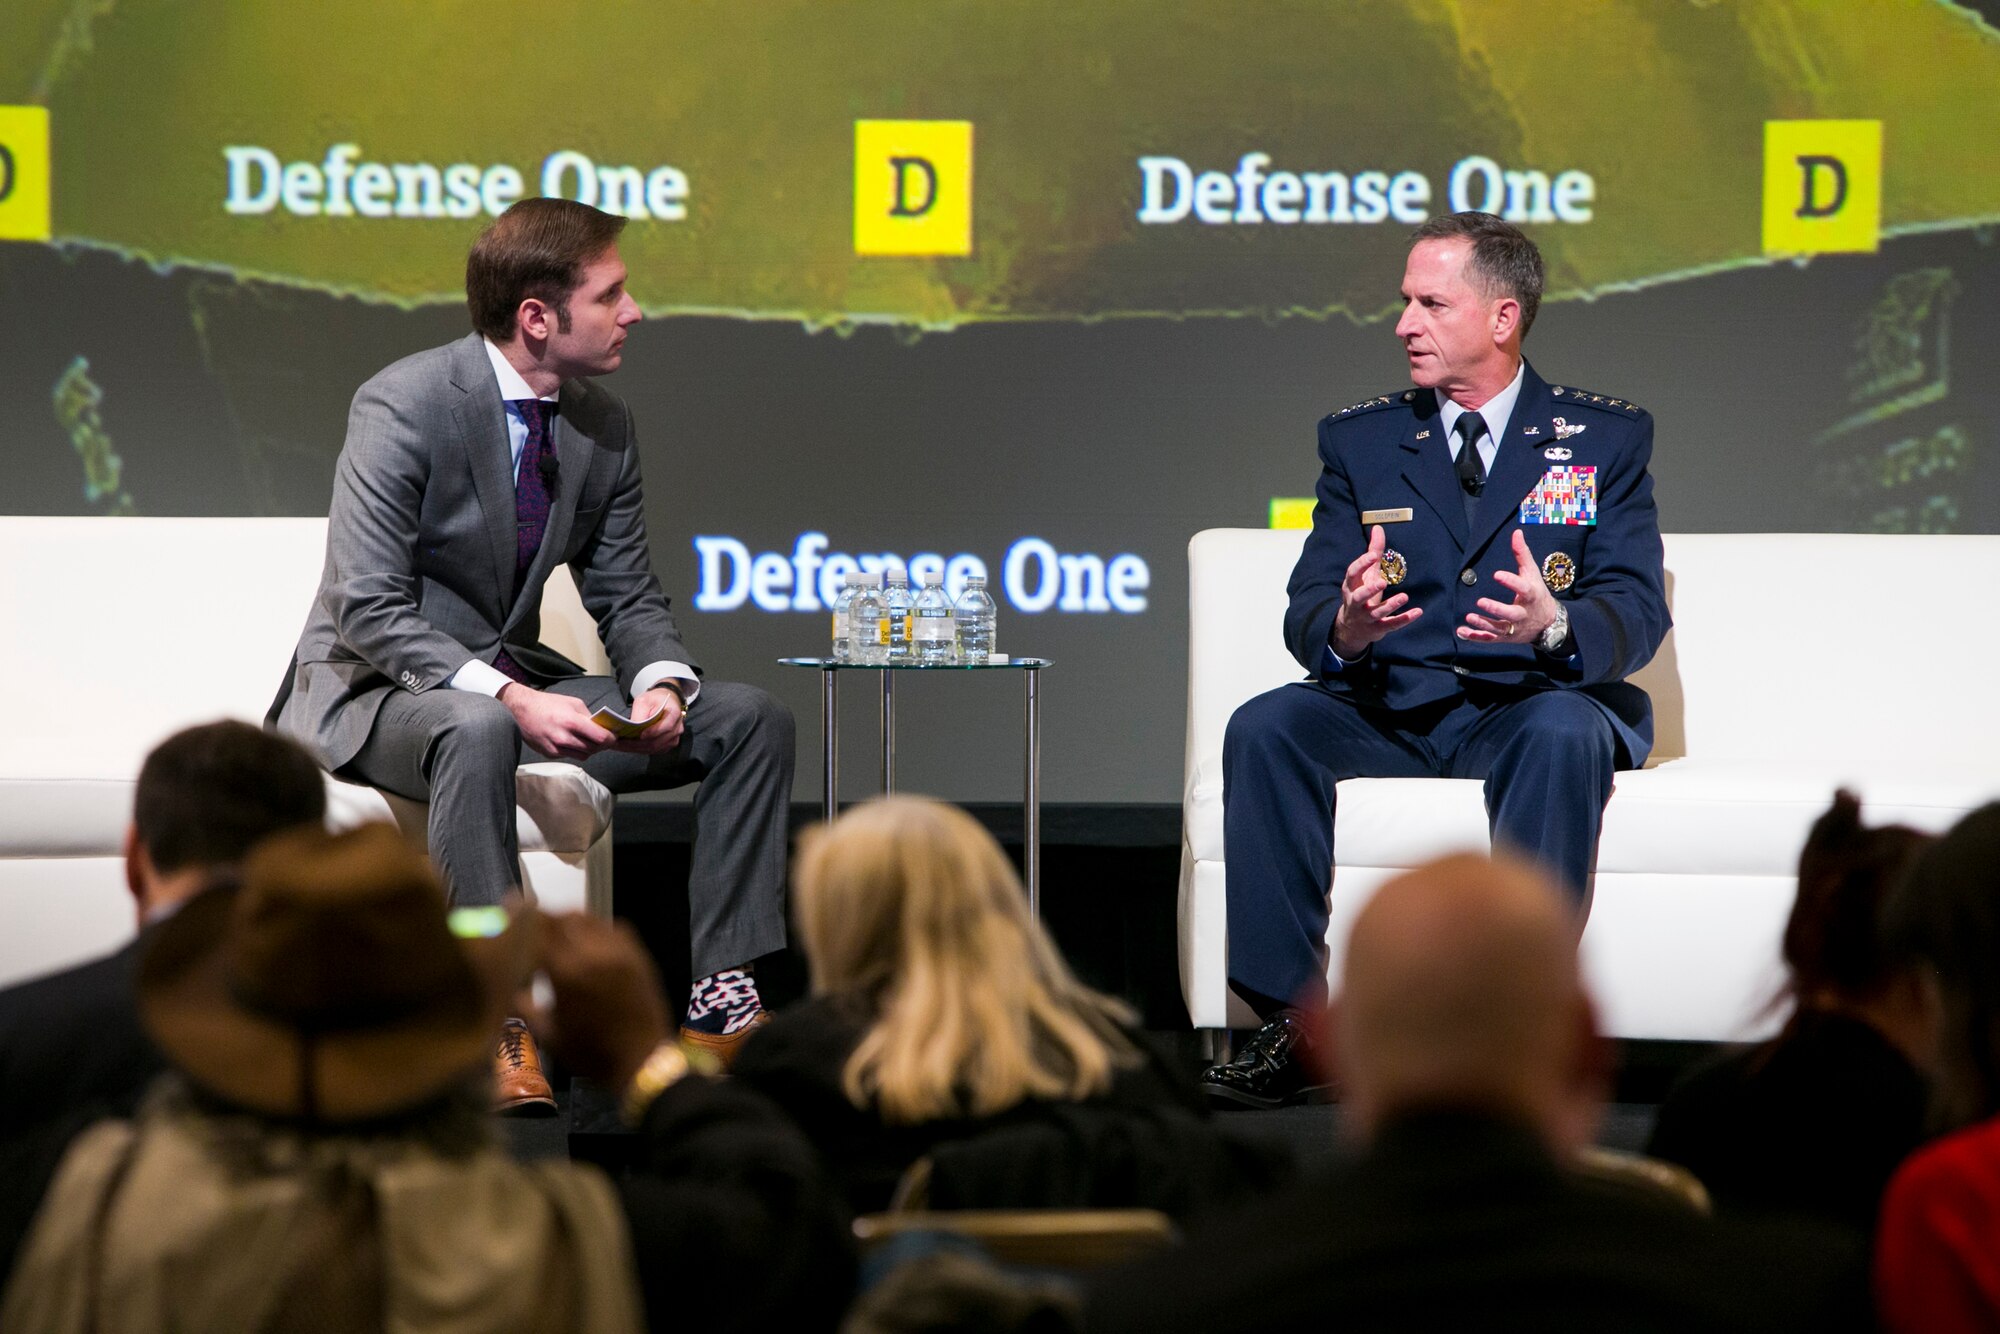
x,y
723,1002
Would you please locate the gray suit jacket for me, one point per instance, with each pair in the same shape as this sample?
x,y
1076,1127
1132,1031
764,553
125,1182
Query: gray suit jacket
x,y
420,548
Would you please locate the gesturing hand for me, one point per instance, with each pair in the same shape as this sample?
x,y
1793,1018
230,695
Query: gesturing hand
x,y
1365,615
554,724
1521,621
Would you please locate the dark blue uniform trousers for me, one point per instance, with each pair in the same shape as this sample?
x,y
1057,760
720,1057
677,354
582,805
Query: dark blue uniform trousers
x,y
1547,757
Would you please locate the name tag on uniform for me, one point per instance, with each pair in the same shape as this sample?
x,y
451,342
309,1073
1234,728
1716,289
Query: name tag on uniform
x,y
1565,496
1386,516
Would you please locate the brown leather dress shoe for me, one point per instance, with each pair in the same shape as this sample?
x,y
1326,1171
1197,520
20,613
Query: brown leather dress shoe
x,y
723,1046
519,1086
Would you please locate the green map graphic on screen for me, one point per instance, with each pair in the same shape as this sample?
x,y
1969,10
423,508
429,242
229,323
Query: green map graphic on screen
x,y
1028,160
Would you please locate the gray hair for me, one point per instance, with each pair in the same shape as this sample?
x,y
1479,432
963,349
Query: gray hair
x,y
1503,260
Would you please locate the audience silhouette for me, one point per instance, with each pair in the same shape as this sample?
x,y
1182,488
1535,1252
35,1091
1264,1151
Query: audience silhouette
x,y
1472,1072
71,1047
1814,1120
321,1156
272,1110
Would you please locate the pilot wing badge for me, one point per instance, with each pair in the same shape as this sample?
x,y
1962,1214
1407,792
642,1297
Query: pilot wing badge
x,y
1566,496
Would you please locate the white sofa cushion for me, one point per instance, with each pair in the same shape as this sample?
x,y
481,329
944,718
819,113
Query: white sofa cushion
x,y
1684,817
560,808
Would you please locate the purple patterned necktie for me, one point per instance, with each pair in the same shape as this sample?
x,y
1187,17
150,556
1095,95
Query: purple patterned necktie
x,y
531,504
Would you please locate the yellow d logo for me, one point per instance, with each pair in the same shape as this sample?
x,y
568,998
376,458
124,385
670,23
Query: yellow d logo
x,y
1822,186
24,173
913,187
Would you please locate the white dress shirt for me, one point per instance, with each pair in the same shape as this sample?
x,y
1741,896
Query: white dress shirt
x,y
483,677
1495,412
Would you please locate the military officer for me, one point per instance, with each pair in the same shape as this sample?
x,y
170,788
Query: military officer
x,y
1483,573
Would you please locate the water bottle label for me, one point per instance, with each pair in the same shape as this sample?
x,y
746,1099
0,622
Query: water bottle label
x,y
934,629
882,631
836,625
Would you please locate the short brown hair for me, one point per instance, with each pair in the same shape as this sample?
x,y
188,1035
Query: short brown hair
x,y
536,249
207,795
1503,259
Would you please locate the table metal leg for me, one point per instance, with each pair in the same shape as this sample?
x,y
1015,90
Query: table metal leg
x,y
829,739
888,731
1031,832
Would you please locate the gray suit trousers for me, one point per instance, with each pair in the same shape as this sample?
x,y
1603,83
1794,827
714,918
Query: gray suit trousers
x,y
457,749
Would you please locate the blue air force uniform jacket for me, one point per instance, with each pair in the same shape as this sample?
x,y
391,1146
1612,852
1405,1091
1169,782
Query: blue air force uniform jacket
x,y
1570,472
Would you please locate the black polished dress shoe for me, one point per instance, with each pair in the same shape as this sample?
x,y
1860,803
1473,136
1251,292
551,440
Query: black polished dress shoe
x,y
1273,1069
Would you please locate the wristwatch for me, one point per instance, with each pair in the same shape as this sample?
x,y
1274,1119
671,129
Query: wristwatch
x,y
1552,638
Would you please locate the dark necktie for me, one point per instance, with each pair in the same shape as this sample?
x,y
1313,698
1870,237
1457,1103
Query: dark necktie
x,y
531,504
1471,471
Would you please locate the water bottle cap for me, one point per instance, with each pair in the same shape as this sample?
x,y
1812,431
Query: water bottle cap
x,y
855,578
975,581
868,579
932,579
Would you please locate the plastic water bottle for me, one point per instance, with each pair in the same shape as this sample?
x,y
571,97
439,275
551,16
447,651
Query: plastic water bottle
x,y
843,637
896,597
977,621
932,633
868,622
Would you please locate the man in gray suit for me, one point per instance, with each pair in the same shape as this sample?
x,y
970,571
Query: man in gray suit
x,y
469,473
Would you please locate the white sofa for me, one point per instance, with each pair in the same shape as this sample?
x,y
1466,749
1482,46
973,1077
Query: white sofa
x,y
1797,663
115,633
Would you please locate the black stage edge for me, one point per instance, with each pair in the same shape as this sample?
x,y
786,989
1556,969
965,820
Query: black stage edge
x,y
1099,825
1110,876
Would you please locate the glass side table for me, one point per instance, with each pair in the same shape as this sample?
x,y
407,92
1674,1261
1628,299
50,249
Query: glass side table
x,y
1031,784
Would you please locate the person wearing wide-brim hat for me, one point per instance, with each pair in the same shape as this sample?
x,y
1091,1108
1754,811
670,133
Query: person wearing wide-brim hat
x,y
328,987
322,1155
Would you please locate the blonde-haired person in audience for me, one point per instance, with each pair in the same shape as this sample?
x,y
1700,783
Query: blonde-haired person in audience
x,y
943,1016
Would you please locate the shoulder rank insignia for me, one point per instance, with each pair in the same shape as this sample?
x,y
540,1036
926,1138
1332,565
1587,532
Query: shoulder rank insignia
x,y
1371,405
1594,400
